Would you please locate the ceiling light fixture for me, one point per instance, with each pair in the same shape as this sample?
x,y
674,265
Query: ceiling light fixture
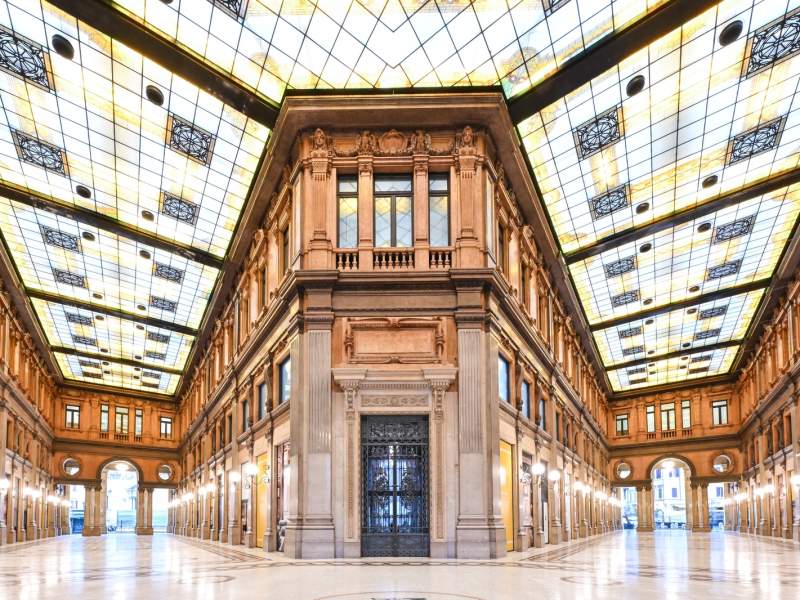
x,y
635,85
155,95
62,46
730,33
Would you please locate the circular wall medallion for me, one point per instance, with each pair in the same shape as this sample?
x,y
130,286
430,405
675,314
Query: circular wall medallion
x,y
71,466
623,470
722,464
164,472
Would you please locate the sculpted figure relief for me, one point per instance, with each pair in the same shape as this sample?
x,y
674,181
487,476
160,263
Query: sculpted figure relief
x,y
366,143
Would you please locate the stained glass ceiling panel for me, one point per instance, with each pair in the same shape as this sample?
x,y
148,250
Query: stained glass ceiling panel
x,y
269,46
84,132
97,333
674,370
732,246
708,119
684,329
58,255
116,374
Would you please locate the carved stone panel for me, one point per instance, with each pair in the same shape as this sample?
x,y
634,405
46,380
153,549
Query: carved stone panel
x,y
394,340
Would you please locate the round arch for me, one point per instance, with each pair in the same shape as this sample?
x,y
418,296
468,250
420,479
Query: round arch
x,y
671,456
121,497
119,459
671,500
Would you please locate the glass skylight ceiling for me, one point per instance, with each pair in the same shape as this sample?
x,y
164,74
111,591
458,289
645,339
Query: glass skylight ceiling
x,y
678,124
116,374
115,142
97,333
656,148
680,330
271,45
109,131
731,247
672,370
53,255
695,116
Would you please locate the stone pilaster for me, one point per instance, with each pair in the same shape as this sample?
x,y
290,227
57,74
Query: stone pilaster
x,y
479,527
310,531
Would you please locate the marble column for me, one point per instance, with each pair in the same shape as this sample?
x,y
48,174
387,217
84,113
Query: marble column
x,y
5,493
582,524
702,508
51,519
235,510
310,530
88,511
204,501
148,503
538,532
554,505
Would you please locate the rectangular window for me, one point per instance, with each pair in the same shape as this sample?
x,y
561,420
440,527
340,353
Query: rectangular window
x,y
525,286
138,422
104,417
263,274
245,415
502,248
651,418
393,207
73,416
526,399
165,424
668,416
285,249
558,426
438,210
121,419
230,427
285,380
686,414
503,379
674,492
622,424
542,415
262,400
719,412
347,203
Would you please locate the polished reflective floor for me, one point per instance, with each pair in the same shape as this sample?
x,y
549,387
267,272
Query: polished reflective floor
x,y
653,566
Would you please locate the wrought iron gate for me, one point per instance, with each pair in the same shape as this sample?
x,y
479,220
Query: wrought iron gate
x,y
394,471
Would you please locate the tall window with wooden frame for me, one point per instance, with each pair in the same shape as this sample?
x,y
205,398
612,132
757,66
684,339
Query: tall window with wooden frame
x,y
502,247
165,428
393,208
72,416
503,379
347,211
121,419
104,418
525,285
438,210
285,255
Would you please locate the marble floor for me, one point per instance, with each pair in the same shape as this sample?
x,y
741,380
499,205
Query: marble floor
x,y
652,566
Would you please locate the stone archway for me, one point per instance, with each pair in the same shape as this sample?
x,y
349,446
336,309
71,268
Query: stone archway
x,y
120,497
673,496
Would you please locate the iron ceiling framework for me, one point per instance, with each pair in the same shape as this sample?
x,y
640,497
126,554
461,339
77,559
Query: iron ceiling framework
x,y
582,89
